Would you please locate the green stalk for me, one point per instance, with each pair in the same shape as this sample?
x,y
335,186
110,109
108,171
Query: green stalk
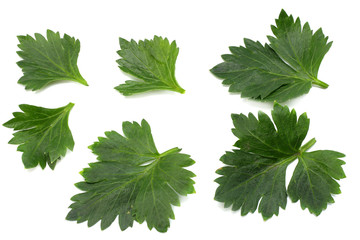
x,y
69,106
172,150
319,83
179,90
81,80
307,145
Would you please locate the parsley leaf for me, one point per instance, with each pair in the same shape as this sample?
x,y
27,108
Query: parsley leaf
x,y
132,180
285,69
46,61
152,61
43,134
256,171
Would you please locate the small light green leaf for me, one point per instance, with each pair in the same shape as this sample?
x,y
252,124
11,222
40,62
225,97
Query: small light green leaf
x,y
132,181
150,61
46,61
285,69
43,134
254,175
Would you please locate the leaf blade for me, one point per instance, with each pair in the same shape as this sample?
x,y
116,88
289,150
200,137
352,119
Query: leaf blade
x,y
254,174
297,45
152,62
45,61
43,134
285,69
314,179
132,180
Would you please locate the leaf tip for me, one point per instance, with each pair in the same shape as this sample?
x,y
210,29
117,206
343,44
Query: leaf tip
x,y
283,13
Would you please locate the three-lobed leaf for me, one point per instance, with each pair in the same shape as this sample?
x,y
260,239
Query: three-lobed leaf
x,y
285,69
43,134
254,175
132,181
150,61
45,61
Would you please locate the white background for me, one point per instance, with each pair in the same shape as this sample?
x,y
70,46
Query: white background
x,y
34,203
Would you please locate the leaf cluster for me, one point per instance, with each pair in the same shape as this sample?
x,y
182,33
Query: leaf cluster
x,y
132,181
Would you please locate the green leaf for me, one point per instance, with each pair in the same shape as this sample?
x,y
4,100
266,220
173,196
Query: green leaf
x,y
298,46
132,180
285,69
254,175
43,134
46,61
150,61
313,179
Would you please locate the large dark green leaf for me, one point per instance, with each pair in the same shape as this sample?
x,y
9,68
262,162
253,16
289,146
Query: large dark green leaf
x,y
132,181
285,69
256,171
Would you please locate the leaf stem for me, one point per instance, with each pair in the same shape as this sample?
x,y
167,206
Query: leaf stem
x,y
179,90
319,83
81,80
172,150
307,145
69,106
